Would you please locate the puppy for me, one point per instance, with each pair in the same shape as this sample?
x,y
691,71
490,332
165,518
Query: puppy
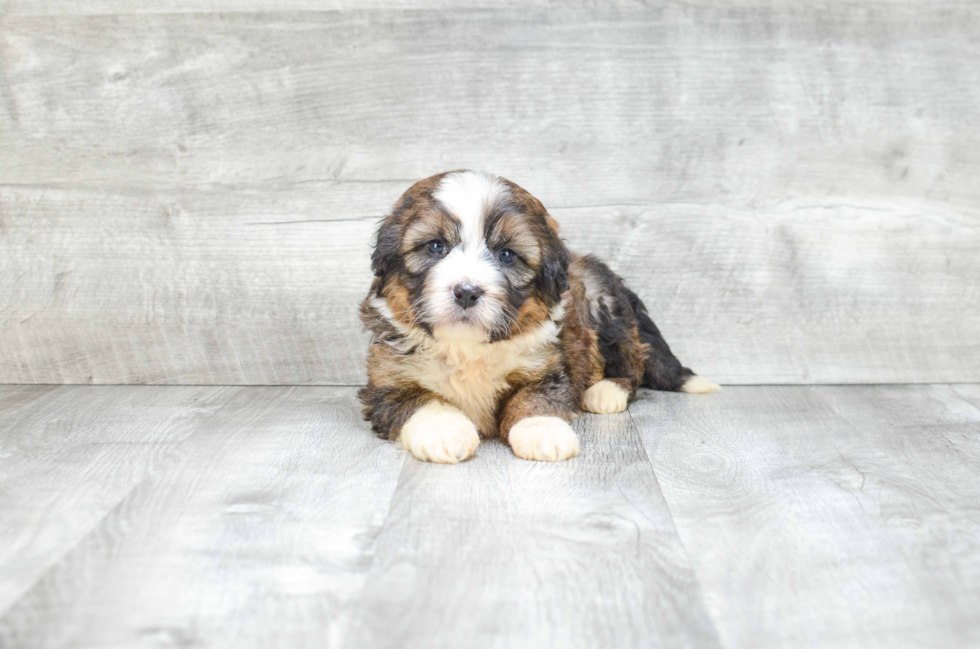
x,y
484,324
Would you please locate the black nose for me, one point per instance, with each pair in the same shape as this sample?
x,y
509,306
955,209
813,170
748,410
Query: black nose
x,y
467,295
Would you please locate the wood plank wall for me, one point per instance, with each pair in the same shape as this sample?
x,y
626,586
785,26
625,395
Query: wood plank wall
x,y
188,196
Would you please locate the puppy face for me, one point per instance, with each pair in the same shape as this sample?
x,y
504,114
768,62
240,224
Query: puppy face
x,y
466,255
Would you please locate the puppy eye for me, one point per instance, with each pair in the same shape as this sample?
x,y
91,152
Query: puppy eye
x,y
506,256
437,247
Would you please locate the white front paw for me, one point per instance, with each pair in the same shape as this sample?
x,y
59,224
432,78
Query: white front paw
x,y
548,439
605,397
440,433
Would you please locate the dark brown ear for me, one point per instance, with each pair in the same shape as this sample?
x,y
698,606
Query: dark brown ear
x,y
553,277
387,256
387,246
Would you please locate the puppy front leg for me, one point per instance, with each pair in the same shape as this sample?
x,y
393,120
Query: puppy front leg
x,y
432,430
534,421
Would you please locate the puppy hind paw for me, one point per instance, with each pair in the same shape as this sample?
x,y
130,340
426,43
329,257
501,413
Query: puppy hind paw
x,y
605,398
439,433
699,385
546,439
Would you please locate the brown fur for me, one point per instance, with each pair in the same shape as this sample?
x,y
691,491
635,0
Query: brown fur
x,y
533,313
575,361
580,339
597,335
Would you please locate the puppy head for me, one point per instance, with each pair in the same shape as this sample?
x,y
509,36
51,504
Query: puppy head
x,y
466,255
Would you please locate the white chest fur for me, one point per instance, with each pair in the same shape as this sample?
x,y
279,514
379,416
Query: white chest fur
x,y
472,374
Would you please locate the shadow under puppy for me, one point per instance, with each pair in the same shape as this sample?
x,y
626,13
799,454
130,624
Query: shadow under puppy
x,y
484,324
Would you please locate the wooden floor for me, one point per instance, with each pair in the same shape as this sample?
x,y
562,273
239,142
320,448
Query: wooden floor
x,y
135,516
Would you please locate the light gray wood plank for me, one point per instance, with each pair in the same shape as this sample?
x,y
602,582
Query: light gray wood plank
x,y
584,107
220,290
826,516
71,455
15,397
98,7
970,393
109,7
256,534
500,552
146,289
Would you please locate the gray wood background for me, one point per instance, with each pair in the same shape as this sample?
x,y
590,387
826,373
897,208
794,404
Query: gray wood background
x,y
187,193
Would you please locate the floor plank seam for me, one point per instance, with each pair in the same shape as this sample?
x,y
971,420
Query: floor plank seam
x,y
82,538
687,554
356,600
68,550
966,399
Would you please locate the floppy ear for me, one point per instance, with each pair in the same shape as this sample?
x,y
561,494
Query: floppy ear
x,y
387,244
553,279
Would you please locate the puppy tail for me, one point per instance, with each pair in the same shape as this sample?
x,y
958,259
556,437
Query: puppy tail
x,y
662,370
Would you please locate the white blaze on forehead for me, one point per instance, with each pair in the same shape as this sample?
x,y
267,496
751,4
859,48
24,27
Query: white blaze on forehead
x,y
468,195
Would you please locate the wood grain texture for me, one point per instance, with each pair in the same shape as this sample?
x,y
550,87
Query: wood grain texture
x,y
110,7
256,533
827,516
175,289
501,552
98,7
272,517
583,107
15,397
71,455
161,291
186,198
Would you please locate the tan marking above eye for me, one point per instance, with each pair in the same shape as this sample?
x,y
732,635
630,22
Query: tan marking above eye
x,y
419,234
429,226
513,232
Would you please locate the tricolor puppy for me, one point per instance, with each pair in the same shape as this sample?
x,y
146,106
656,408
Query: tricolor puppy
x,y
484,324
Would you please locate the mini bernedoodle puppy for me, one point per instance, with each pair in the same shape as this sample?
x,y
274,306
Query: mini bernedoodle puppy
x,y
484,324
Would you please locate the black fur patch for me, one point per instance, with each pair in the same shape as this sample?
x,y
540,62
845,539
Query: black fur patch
x,y
389,408
663,370
553,277
386,258
615,321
